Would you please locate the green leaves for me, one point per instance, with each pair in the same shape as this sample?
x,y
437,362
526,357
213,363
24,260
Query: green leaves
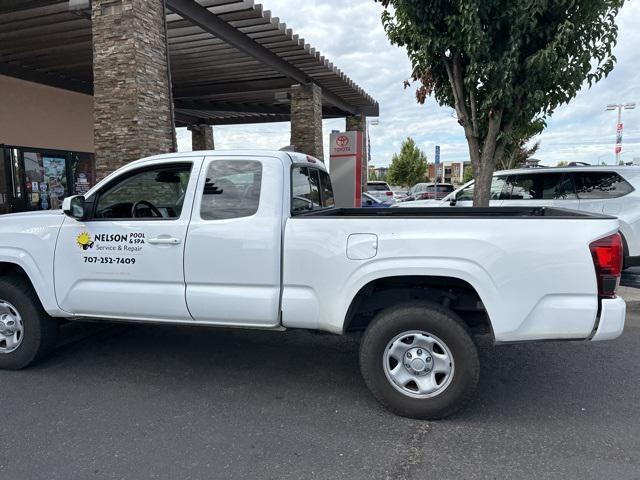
x,y
409,166
524,58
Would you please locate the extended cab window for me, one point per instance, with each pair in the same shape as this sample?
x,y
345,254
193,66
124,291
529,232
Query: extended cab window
x,y
595,185
231,190
148,193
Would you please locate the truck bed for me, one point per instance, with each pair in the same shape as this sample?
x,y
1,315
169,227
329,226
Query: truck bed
x,y
458,212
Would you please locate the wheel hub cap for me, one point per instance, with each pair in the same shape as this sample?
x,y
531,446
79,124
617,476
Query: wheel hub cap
x,y
11,328
7,325
418,361
418,364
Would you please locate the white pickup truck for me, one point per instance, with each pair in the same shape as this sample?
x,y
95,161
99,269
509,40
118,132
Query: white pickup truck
x,y
251,239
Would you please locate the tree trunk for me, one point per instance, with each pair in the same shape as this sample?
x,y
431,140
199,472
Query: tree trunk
x,y
482,184
484,169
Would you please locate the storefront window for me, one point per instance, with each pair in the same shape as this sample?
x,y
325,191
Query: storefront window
x,y
83,172
33,179
46,180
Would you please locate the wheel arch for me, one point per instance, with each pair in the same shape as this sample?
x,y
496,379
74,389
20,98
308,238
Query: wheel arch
x,y
453,292
24,266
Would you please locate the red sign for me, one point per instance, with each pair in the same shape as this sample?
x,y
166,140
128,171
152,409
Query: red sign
x,y
342,141
618,148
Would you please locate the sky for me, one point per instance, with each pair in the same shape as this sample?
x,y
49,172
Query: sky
x,y
349,34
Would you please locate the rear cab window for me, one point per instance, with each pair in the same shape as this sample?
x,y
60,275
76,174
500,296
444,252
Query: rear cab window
x,y
310,190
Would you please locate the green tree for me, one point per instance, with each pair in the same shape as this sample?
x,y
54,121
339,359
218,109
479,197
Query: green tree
x,y
516,152
409,166
372,177
562,163
503,65
467,174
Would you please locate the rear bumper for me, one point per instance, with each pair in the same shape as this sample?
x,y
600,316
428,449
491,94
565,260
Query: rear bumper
x,y
611,321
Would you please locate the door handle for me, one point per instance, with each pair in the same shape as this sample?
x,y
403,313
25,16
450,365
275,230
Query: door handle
x,y
164,241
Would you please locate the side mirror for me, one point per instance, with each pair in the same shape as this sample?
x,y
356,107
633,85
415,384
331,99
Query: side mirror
x,y
74,207
453,202
369,202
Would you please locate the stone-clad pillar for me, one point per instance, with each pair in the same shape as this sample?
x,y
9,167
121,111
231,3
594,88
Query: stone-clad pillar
x,y
306,119
358,123
132,91
201,137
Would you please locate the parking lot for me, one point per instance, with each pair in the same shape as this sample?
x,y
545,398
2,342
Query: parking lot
x,y
191,403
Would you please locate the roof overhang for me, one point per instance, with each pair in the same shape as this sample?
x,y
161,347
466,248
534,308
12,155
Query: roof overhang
x,y
231,61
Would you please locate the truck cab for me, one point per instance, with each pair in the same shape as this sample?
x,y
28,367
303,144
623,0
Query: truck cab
x,y
163,236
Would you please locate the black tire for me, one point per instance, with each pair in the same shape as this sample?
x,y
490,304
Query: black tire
x,y
40,329
433,319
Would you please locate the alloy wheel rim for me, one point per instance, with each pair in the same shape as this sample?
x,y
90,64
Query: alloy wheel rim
x,y
11,327
418,364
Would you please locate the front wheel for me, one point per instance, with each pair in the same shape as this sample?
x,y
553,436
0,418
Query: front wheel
x,y
26,331
419,360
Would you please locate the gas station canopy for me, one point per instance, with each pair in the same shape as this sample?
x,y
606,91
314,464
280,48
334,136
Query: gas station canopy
x,y
230,60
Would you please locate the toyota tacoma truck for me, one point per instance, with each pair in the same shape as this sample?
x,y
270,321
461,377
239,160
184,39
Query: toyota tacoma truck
x,y
252,239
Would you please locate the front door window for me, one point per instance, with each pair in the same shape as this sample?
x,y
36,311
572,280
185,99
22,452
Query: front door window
x,y
151,193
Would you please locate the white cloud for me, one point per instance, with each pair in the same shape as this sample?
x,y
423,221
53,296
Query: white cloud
x,y
349,33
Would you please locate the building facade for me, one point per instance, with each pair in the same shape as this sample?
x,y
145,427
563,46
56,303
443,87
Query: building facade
x,y
447,172
89,85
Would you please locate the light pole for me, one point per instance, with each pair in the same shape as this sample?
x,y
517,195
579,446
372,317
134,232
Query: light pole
x,y
370,122
619,126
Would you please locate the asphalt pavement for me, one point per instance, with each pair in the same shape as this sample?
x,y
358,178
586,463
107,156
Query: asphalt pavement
x,y
149,402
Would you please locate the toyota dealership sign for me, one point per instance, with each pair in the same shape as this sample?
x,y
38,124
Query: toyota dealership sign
x,y
343,143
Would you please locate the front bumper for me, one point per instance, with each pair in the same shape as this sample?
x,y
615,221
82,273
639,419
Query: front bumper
x,y
611,320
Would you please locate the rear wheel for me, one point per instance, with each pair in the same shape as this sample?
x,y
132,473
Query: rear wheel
x,y
419,360
26,331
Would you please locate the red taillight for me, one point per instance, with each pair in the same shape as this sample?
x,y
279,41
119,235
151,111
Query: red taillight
x,y
607,259
389,194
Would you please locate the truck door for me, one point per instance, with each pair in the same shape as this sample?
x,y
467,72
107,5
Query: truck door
x,y
126,259
233,251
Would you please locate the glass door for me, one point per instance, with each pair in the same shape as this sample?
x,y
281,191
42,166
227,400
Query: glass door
x,y
46,182
16,198
5,204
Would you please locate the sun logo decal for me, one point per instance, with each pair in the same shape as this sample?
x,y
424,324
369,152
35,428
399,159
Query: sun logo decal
x,y
84,241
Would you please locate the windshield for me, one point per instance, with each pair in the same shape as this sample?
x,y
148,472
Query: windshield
x,y
455,193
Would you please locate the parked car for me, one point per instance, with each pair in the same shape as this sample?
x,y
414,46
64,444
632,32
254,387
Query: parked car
x,y
224,239
369,201
613,190
382,191
428,191
400,195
